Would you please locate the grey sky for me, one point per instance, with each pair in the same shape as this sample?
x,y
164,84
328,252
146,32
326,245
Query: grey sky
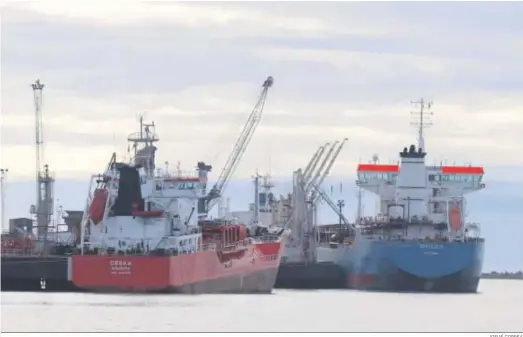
x,y
341,70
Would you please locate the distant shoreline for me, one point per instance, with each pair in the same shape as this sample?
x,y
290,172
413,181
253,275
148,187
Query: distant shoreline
x,y
503,276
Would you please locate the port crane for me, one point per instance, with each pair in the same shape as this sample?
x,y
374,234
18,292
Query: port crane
x,y
207,203
44,207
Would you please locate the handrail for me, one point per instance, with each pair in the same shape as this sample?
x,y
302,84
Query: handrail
x,y
419,239
212,246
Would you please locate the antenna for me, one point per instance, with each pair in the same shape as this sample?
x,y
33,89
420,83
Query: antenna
x,y
424,120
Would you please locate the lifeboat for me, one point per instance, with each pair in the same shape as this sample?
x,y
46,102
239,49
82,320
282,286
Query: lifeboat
x,y
97,208
455,218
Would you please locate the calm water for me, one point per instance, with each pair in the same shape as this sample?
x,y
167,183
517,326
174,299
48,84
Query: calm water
x,y
499,307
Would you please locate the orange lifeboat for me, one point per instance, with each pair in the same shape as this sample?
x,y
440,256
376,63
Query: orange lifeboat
x,y
455,218
97,208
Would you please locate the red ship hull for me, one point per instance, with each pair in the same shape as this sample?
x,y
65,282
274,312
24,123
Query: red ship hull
x,y
251,269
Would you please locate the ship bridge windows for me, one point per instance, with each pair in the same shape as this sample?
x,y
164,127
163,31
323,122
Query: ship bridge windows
x,y
181,185
366,176
465,178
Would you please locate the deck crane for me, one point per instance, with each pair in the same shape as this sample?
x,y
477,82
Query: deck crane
x,y
309,170
314,186
329,166
311,162
322,166
312,177
239,149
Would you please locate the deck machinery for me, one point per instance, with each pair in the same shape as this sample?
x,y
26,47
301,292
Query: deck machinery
x,y
300,267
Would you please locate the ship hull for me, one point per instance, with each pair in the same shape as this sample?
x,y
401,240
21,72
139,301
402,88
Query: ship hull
x,y
256,282
396,266
418,267
250,270
33,273
311,276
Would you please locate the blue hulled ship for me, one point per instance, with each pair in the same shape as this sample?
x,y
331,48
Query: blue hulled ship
x,y
419,239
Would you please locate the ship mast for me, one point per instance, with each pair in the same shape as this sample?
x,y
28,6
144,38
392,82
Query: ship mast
x,y
143,146
424,121
256,217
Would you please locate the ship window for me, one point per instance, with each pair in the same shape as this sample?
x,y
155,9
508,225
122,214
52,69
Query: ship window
x,y
169,185
432,177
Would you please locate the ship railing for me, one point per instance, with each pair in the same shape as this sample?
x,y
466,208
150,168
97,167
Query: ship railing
x,y
421,239
209,247
271,257
226,248
176,174
21,252
267,238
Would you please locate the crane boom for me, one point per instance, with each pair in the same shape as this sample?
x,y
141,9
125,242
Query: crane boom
x,y
239,147
311,162
320,169
315,162
331,163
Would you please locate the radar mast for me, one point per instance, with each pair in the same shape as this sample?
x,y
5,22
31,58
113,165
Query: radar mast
x,y
423,120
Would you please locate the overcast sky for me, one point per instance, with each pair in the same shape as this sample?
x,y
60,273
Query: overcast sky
x,y
340,69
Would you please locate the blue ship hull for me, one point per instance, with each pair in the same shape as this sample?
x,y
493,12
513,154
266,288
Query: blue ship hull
x,y
385,265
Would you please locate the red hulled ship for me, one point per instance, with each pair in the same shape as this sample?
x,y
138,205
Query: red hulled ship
x,y
143,231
